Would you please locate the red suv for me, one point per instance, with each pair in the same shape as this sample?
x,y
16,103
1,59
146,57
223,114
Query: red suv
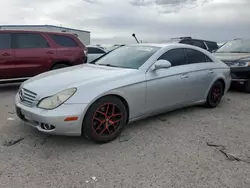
x,y
24,54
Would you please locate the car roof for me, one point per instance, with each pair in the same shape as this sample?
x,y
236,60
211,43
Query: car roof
x,y
30,31
163,45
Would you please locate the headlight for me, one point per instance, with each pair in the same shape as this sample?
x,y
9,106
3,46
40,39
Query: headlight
x,y
56,100
240,64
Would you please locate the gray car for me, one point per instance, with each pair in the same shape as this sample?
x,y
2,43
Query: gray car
x,y
236,54
128,84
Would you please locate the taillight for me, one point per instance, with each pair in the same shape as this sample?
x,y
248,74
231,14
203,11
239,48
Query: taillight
x,y
85,51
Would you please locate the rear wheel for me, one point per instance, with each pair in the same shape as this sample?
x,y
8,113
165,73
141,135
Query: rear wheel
x,y
215,94
104,120
59,66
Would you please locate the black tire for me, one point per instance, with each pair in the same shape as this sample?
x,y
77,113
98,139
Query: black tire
x,y
215,94
59,66
99,125
247,87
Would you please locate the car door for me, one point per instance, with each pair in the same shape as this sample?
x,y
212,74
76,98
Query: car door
x,y
201,74
33,54
6,57
94,53
167,87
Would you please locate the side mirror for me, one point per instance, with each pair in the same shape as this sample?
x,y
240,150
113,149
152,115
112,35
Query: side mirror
x,y
162,64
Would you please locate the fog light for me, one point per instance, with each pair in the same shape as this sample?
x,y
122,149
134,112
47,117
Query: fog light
x,y
46,126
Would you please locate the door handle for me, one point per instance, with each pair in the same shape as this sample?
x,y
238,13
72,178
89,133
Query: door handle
x,y
6,54
211,71
49,52
184,76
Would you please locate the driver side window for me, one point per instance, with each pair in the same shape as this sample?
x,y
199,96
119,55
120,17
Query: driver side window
x,y
176,57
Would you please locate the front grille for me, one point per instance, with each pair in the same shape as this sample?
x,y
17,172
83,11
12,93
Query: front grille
x,y
27,97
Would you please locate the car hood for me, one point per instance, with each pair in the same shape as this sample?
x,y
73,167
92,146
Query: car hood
x,y
51,82
227,57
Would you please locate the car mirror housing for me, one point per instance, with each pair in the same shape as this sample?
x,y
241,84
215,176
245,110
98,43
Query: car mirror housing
x,y
162,64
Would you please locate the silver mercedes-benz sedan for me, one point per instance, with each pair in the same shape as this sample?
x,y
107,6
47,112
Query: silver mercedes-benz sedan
x,y
130,83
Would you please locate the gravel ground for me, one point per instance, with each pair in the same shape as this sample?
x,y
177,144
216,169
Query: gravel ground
x,y
169,150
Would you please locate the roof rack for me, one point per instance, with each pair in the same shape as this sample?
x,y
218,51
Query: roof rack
x,y
182,38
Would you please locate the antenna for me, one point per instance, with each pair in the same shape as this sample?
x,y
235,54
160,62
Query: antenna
x,y
133,35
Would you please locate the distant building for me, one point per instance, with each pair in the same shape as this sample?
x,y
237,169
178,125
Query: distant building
x,y
84,36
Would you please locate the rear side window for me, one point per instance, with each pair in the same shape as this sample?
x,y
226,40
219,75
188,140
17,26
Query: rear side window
x,y
63,40
211,45
186,42
29,40
195,56
5,41
199,43
176,57
92,50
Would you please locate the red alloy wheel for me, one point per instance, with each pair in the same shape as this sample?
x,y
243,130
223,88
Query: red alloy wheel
x,y
106,119
216,94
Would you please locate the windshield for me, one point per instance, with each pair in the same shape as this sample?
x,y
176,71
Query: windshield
x,y
237,46
128,56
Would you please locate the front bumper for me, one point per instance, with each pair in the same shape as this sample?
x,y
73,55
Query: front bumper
x,y
37,118
240,74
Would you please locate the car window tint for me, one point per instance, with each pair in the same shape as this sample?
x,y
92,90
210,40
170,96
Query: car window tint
x,y
30,40
195,56
5,41
93,50
211,45
199,43
187,42
175,57
63,40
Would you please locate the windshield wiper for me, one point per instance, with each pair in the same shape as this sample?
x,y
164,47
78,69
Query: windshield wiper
x,y
109,65
231,52
237,52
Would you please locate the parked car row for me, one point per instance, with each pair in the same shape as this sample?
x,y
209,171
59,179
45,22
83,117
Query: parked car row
x,y
104,89
132,82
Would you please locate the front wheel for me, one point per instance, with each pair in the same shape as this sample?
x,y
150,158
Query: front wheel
x,y
215,94
104,120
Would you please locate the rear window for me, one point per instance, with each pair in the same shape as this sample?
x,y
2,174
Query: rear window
x,y
199,43
92,50
63,40
195,56
186,42
211,45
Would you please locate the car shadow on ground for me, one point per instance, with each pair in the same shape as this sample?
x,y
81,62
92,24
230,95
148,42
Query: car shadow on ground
x,y
79,141
54,141
9,87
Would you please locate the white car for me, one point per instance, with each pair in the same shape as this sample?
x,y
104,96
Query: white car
x,y
94,52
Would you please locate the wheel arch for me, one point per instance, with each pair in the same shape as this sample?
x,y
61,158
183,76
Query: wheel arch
x,y
220,79
61,62
120,97
223,83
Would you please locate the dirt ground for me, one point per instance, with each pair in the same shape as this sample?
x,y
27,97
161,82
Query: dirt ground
x,y
170,150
